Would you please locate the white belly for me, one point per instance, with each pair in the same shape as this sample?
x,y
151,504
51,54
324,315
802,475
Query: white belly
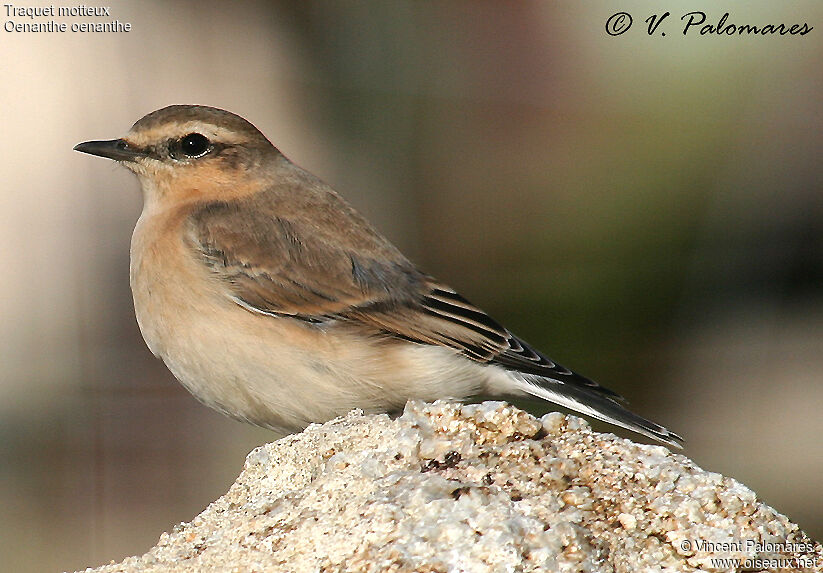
x,y
280,373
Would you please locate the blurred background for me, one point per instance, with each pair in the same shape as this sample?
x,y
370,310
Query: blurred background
x,y
648,210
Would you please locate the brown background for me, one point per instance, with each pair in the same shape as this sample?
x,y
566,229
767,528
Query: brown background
x,y
647,210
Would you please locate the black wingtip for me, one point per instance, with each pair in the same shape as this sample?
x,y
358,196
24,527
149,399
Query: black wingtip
x,y
668,437
596,405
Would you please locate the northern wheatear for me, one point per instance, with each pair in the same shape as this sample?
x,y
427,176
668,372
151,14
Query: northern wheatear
x,y
273,301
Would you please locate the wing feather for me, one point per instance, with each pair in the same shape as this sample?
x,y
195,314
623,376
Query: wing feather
x,y
305,257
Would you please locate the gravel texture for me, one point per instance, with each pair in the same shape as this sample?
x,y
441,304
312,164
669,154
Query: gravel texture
x,y
486,487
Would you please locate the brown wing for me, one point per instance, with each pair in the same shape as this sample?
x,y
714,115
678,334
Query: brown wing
x,y
312,257
280,259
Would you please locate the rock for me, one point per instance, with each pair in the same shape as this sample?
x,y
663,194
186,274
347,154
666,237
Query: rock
x,y
481,487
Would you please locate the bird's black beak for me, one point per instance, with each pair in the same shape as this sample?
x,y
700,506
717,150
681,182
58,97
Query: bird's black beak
x,y
117,149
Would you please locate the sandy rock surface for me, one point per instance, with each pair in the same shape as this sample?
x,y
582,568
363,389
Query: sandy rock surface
x,y
477,488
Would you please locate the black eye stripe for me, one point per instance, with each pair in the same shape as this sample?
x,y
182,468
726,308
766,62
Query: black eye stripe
x,y
186,148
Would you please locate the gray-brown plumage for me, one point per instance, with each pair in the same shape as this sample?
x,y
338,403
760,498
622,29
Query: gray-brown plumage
x,y
274,301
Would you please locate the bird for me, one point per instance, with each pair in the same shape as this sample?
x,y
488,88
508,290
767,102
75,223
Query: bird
x,y
275,302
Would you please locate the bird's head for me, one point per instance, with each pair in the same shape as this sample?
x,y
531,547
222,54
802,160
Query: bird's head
x,y
190,151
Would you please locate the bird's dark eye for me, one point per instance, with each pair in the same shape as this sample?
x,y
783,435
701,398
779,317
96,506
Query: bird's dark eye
x,y
195,145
